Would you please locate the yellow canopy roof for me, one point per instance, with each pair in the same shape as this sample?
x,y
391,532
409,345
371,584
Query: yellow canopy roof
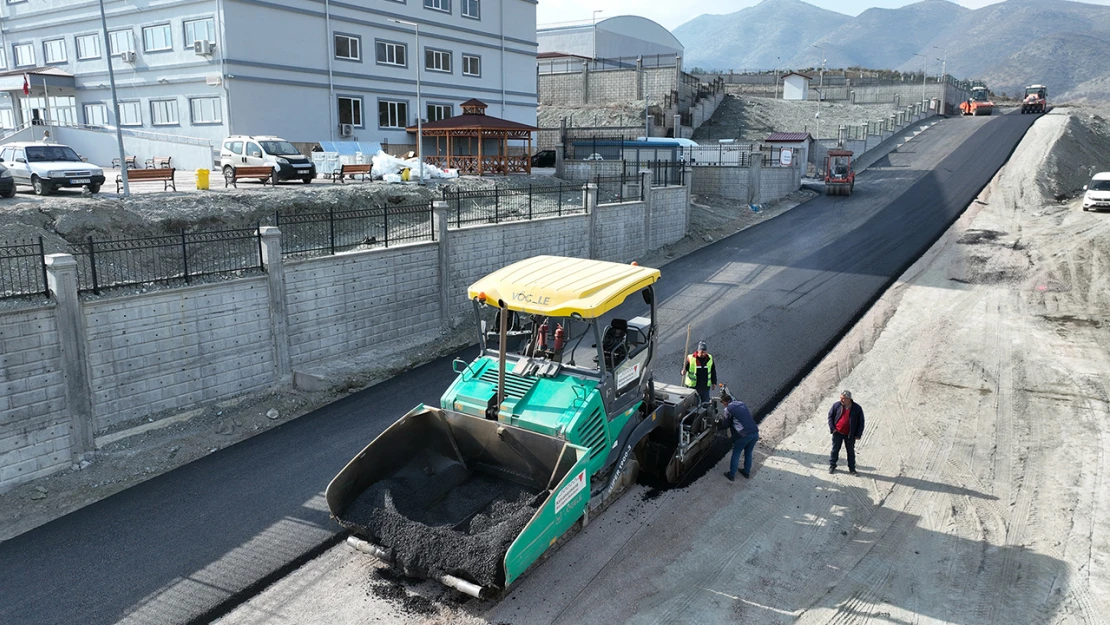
x,y
559,286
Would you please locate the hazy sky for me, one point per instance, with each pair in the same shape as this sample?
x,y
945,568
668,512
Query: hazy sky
x,y
671,13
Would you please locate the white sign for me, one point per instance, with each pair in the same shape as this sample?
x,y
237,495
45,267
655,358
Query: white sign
x,y
786,156
569,491
628,375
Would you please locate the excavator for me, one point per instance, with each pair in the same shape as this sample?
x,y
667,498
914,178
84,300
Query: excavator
x,y
556,417
1036,99
978,103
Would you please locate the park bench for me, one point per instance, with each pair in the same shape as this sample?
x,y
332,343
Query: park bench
x,y
131,162
352,171
265,173
158,162
148,175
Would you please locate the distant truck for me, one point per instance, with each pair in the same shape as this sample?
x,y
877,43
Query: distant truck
x,y
1036,99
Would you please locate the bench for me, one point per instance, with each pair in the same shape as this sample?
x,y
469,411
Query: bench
x,y
232,175
158,162
352,171
148,175
131,162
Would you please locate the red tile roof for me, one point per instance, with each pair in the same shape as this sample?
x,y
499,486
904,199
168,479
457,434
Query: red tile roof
x,y
787,137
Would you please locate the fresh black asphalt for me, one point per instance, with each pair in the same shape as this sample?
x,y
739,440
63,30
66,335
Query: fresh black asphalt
x,y
770,300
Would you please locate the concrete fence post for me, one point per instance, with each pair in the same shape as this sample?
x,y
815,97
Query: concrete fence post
x,y
61,279
646,192
589,202
639,78
441,218
585,82
678,126
279,318
755,176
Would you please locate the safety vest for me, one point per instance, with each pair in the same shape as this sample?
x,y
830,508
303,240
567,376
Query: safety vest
x,y
692,370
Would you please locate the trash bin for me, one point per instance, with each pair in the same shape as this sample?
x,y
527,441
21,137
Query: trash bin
x,y
406,173
202,179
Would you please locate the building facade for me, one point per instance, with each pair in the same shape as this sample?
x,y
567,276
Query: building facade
x,y
305,71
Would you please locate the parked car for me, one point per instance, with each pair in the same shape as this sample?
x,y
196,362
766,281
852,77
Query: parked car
x,y
544,158
48,166
258,151
7,182
1096,194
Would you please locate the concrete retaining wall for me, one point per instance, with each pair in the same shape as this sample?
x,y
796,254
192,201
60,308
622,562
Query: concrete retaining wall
x,y
74,368
737,183
34,424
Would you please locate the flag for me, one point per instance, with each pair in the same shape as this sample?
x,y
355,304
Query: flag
x,y
26,85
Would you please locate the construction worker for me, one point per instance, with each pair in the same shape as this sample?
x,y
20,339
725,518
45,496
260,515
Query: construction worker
x,y
699,372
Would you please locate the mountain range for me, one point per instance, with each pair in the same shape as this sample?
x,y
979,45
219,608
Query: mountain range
x,y
1063,44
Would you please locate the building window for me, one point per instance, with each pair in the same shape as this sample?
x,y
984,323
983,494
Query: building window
x,y
471,65
437,60
7,119
163,112
437,112
157,38
119,42
54,51
199,30
23,54
389,53
350,111
348,47
470,8
3,59
438,5
96,114
392,114
205,110
130,113
88,47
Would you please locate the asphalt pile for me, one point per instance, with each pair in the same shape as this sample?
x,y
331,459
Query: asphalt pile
x,y
455,522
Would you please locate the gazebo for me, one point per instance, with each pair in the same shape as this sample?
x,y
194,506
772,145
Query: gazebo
x,y
476,143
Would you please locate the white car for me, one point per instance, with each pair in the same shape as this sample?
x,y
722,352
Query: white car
x,y
1097,193
259,151
48,166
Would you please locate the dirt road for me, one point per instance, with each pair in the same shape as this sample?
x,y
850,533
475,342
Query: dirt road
x,y
982,493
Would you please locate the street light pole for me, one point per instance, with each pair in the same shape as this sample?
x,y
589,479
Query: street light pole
x,y
419,110
924,74
115,103
944,77
821,83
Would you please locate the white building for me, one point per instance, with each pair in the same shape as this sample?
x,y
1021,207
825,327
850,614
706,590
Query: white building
x,y
624,36
191,72
795,86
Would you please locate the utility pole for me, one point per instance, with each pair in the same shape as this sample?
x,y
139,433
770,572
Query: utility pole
x,y
115,102
419,111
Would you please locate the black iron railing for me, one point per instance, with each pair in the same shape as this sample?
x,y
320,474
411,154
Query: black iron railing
x,y
23,269
335,231
500,204
171,259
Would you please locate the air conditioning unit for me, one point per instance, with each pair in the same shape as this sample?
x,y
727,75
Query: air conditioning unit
x,y
128,56
346,130
203,47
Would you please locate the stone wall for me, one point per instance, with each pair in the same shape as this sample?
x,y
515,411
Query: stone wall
x,y
75,368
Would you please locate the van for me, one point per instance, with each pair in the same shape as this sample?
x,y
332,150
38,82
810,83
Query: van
x,y
1096,194
259,151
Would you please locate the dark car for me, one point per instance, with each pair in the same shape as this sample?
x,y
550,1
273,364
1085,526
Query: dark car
x,y
7,183
544,158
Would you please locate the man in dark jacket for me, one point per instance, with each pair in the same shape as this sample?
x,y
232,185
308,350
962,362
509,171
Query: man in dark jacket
x,y
744,432
846,426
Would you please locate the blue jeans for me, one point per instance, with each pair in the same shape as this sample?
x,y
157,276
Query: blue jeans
x,y
742,444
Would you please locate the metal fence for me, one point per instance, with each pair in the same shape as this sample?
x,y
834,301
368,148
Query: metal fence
x,y
165,259
573,65
497,205
317,234
23,269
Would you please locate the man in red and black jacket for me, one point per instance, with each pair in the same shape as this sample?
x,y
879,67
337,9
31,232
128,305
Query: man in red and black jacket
x,y
846,426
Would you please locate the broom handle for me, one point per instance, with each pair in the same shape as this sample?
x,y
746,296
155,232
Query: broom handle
x,y
686,350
